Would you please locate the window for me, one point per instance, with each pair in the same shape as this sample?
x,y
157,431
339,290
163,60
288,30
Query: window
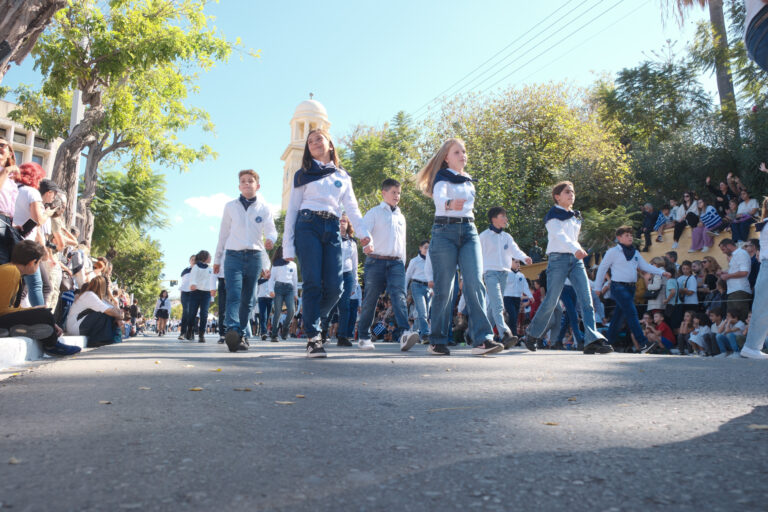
x,y
37,159
312,126
19,157
41,143
19,137
301,131
2,132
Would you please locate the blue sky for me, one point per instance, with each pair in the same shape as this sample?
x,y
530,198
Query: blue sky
x,y
365,61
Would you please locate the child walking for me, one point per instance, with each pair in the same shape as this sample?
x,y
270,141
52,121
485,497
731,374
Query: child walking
x,y
201,291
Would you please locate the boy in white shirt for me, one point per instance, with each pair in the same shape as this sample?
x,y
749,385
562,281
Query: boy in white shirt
x,y
385,267
201,292
499,249
726,337
515,289
247,230
417,278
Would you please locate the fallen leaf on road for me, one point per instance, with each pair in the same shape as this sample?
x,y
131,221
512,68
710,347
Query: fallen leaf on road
x,y
216,370
572,399
157,362
14,460
551,423
259,383
441,409
189,366
144,388
757,427
243,389
257,373
426,375
300,396
195,389
280,402
105,402
622,405
99,371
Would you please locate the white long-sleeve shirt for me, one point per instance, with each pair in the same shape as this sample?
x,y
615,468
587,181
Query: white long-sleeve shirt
x,y
499,249
186,274
623,271
264,289
285,274
349,256
200,277
563,235
417,269
387,229
328,194
517,285
243,229
445,191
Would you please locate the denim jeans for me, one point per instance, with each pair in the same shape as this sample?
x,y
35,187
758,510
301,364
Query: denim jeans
x,y
624,296
454,244
354,305
34,284
348,283
421,300
199,300
757,39
241,272
383,275
560,266
758,326
512,307
318,248
727,342
221,300
495,282
568,296
284,295
265,308
185,322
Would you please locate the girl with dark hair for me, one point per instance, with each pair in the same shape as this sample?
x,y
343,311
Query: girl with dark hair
x,y
93,316
284,283
201,286
320,189
688,215
162,312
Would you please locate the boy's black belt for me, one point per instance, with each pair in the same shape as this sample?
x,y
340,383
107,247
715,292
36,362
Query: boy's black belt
x,y
624,284
388,258
453,220
423,283
322,215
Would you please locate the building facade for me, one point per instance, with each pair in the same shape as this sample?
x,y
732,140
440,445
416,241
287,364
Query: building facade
x,y
27,145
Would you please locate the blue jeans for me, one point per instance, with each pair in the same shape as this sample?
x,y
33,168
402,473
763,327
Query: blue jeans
x,y
454,244
383,275
512,307
727,342
241,272
318,248
560,266
221,301
757,39
624,296
758,326
495,282
34,284
348,283
421,300
199,300
265,307
284,294
568,296
185,322
354,304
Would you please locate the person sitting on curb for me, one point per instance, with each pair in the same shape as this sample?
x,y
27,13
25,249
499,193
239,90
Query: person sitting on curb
x,y
37,322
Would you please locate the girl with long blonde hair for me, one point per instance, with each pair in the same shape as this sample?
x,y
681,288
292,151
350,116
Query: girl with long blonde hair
x,y
455,241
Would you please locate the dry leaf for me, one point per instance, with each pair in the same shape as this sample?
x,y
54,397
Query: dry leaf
x,y
551,423
300,396
144,388
195,389
572,399
622,405
259,383
216,370
157,362
755,426
189,366
441,409
243,389
280,402
105,402
257,373
99,371
14,460
426,375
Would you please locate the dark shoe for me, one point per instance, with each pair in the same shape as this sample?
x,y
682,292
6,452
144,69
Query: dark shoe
x,y
263,337
244,340
509,340
4,333
221,340
558,346
232,339
324,337
201,339
274,339
36,331
488,347
530,342
343,342
425,341
315,350
647,348
284,332
60,349
190,334
598,346
438,350
243,346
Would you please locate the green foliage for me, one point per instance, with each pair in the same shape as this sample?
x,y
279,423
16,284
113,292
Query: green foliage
x,y
598,231
137,264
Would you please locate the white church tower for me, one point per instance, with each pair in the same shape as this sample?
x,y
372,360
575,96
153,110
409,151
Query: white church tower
x,y
310,114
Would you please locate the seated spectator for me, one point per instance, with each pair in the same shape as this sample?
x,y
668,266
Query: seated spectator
x,y
745,213
650,216
34,323
661,333
726,337
696,339
663,221
708,226
684,332
722,194
687,214
718,298
94,317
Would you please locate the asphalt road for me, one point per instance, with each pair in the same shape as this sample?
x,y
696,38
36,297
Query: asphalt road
x,y
120,428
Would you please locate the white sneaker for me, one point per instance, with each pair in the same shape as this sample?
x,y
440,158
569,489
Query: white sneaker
x,y
721,355
691,250
408,340
674,245
366,345
705,248
750,353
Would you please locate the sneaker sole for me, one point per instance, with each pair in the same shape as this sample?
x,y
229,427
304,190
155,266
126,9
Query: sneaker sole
x,y
367,349
482,351
232,339
410,341
436,353
32,331
317,355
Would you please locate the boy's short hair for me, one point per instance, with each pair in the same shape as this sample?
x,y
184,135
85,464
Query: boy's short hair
x,y
27,251
202,256
726,241
716,312
671,254
686,263
389,183
664,207
559,187
249,172
425,241
623,230
495,212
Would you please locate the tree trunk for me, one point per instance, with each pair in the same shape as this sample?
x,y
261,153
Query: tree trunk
x,y
722,65
21,23
90,180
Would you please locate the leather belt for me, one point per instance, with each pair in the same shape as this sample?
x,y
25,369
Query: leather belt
x,y
388,258
322,215
454,220
424,283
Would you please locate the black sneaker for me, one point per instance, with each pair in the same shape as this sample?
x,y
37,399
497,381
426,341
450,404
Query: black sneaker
x,y
315,350
324,337
647,348
34,331
221,340
263,337
190,334
509,340
530,342
343,342
274,339
438,350
60,349
232,339
201,339
598,346
488,347
244,340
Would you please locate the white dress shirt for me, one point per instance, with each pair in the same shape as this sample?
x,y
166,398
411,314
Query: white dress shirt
x,y
677,213
499,249
349,256
264,289
285,274
740,261
417,269
200,277
445,191
563,235
186,274
517,285
243,229
328,194
623,271
387,229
